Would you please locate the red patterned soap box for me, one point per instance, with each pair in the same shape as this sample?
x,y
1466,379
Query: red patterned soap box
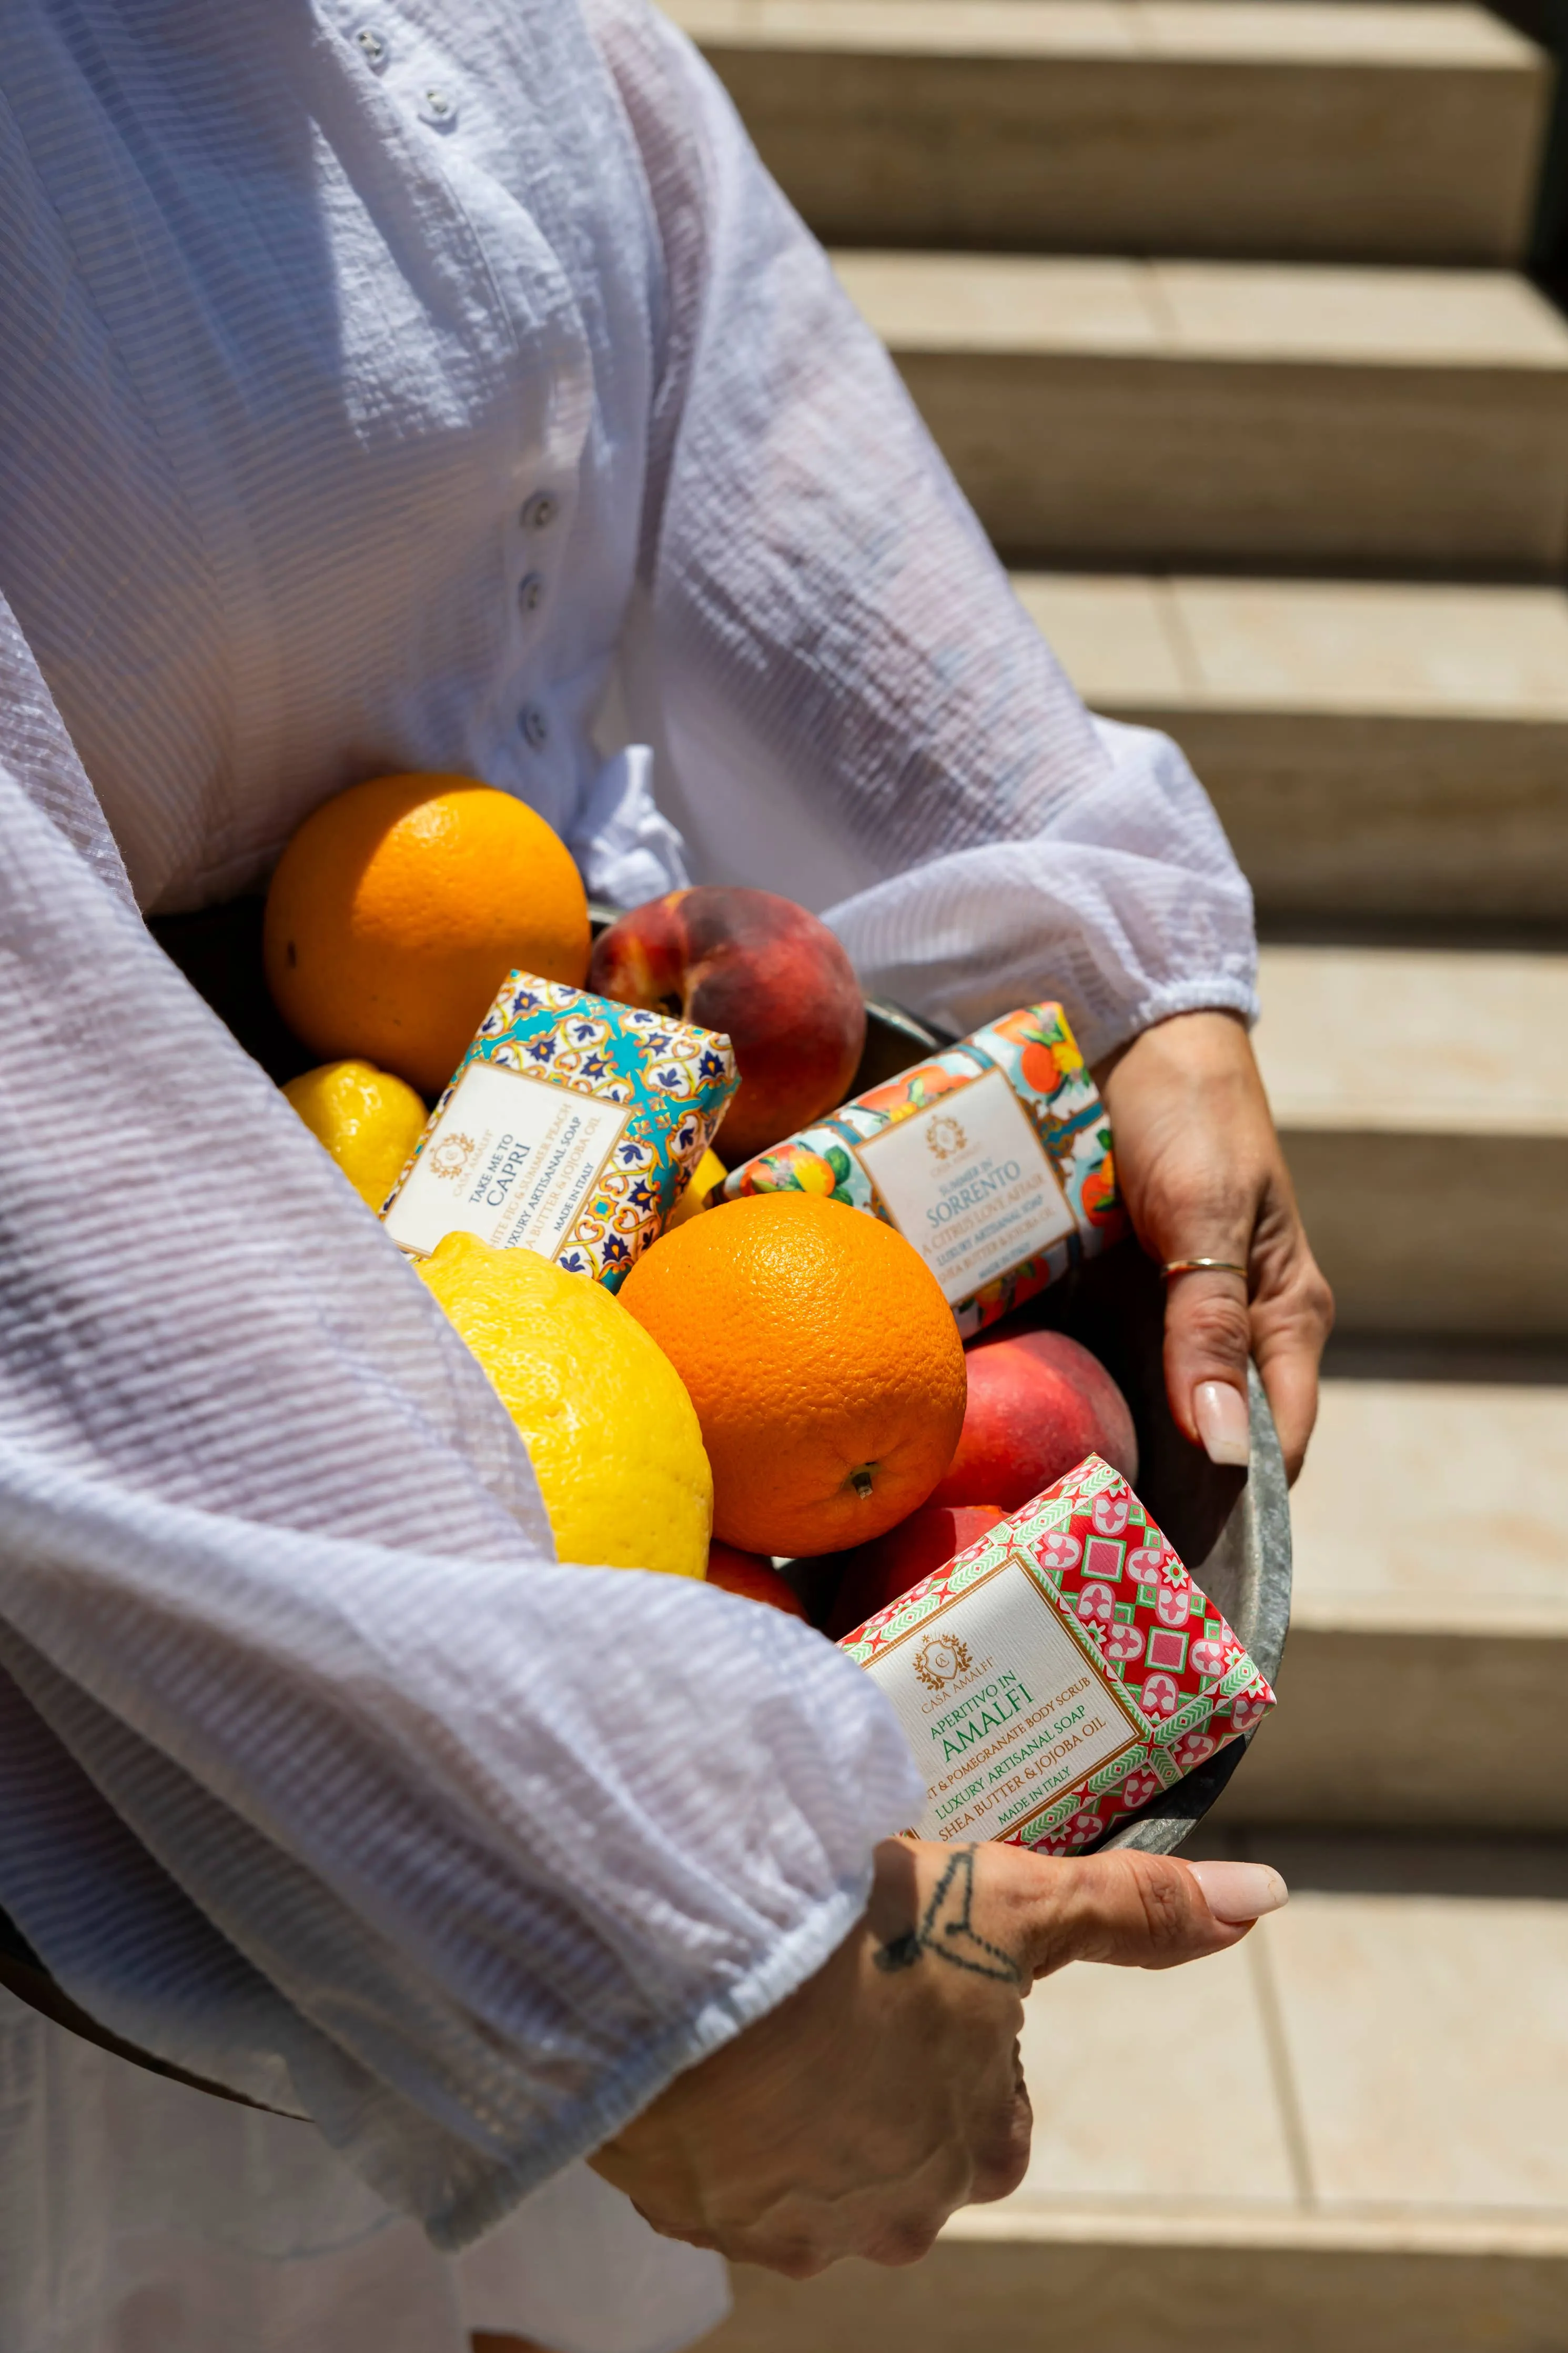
x,y
1060,1672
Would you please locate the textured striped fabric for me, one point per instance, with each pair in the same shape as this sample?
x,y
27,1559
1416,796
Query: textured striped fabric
x,y
417,388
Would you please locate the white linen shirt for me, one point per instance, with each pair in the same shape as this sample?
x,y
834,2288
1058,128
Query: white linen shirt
x,y
444,386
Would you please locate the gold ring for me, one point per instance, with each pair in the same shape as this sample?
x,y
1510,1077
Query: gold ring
x,y
1201,1266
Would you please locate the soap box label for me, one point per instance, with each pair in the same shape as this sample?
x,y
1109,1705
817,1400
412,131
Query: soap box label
x,y
970,1184
1058,1674
571,1127
512,1159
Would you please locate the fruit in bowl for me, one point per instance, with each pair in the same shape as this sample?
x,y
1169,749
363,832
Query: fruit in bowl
x,y
755,1577
610,1430
767,975
875,1573
1038,1402
365,1119
399,907
822,1359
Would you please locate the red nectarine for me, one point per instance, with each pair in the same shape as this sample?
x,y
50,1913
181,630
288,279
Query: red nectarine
x,y
768,974
752,1576
1038,1402
875,1573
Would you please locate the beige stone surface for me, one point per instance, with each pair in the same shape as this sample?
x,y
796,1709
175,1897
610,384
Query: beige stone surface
x,y
1379,648
1386,647
1175,2044
1213,309
1123,2289
1010,303
1428,2044
1227,127
1461,1235
1375,748
1415,1041
1116,635
1316,31
1099,411
1424,1502
1436,1731
1389,318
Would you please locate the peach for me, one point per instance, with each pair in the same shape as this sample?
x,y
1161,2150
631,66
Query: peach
x,y
1038,1402
754,1576
875,1573
765,973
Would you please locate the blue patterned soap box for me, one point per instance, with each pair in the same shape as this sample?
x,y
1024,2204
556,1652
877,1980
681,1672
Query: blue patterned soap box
x,y
571,1127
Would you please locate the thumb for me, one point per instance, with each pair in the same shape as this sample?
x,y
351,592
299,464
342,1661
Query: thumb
x,y
1145,1910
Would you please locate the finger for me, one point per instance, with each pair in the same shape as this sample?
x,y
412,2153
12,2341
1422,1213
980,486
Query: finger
x,y
1142,1911
1289,1370
1208,1338
1289,1330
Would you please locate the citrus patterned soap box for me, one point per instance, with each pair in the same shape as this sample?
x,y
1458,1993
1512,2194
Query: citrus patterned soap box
x,y
993,1158
571,1127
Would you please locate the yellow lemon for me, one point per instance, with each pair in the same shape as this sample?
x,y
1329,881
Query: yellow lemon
x,y
369,1122
710,1171
612,1434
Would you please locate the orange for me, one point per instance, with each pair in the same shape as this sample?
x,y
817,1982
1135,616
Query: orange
x,y
823,1360
399,908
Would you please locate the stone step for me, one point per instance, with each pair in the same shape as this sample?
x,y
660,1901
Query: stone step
x,y
1423,1099
1323,128
1343,2137
1215,413
1422,1682
1375,750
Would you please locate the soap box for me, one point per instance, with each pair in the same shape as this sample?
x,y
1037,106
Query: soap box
x,y
993,1159
1059,1674
571,1127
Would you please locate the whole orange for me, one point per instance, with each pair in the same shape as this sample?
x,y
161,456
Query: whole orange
x,y
823,1360
399,907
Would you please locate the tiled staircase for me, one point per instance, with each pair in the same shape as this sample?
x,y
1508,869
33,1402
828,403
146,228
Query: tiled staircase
x,y
1216,308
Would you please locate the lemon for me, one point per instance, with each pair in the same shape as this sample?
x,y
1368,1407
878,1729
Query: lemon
x,y
611,1432
369,1122
710,1171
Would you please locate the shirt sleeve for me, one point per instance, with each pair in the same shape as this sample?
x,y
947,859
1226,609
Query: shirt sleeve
x,y
849,703
319,1776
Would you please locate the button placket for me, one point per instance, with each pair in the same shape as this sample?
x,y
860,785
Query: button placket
x,y
437,107
373,46
533,726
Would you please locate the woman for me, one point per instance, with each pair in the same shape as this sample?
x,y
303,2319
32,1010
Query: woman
x,y
409,388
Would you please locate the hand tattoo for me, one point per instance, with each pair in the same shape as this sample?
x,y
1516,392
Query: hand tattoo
x,y
946,1930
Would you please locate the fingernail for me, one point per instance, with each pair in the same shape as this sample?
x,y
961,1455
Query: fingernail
x,y
1240,1891
1220,1413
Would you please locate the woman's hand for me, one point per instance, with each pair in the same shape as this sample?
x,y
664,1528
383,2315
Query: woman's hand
x,y
886,2090
1202,1176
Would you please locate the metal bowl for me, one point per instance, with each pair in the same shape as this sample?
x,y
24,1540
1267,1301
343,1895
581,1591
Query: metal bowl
x,y
1231,1527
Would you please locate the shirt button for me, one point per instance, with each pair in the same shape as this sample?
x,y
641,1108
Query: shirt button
x,y
534,725
373,43
530,592
540,513
438,110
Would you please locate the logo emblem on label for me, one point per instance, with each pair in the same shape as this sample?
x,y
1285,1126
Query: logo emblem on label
x,y
945,1136
941,1660
449,1159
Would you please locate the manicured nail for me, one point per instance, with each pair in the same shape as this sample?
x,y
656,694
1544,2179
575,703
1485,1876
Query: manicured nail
x,y
1240,1891
1220,1413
